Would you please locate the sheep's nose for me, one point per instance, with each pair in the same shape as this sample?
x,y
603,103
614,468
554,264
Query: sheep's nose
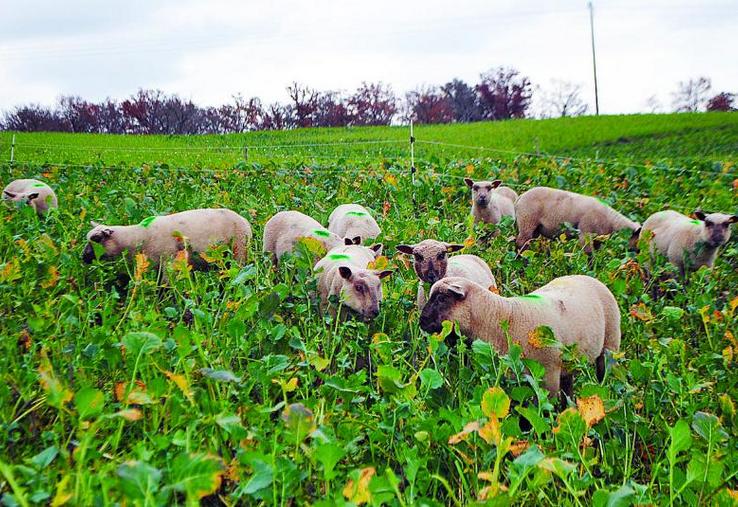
x,y
371,314
88,254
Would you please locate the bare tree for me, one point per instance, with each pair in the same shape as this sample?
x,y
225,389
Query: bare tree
x,y
653,104
304,104
691,95
372,104
564,98
463,100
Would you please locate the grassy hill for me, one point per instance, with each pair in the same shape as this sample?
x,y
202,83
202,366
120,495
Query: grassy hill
x,y
230,387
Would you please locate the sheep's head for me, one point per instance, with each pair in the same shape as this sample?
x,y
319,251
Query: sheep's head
x,y
362,290
103,235
431,258
446,302
482,190
28,197
716,231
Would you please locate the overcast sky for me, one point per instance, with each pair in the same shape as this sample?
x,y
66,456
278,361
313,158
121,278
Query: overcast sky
x,y
210,50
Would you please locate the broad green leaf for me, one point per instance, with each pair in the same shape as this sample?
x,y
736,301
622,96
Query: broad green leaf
x,y
328,455
89,402
680,439
141,342
621,497
45,457
196,475
430,378
139,481
495,403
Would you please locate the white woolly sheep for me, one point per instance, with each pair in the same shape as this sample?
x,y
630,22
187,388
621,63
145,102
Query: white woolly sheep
x,y
36,194
490,201
353,221
360,255
286,228
579,309
431,263
543,210
345,275
687,243
156,236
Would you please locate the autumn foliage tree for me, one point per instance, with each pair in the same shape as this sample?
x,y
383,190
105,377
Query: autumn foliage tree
x,y
504,94
428,105
722,102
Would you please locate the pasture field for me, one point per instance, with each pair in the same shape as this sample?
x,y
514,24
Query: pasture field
x,y
229,387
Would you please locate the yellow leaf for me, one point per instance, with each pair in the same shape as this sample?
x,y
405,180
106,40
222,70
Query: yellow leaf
x,y
728,355
469,169
641,312
591,409
517,448
53,278
130,414
391,179
733,304
469,242
463,434
182,383
358,491
486,476
729,336
290,385
705,314
10,271
490,432
141,264
379,263
56,394
313,245
62,496
732,493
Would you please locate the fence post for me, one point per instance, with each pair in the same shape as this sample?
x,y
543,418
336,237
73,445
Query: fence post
x,y
245,153
412,153
12,150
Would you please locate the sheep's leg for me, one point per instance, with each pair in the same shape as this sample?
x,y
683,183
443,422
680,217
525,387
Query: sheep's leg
x,y
566,381
552,379
600,367
525,235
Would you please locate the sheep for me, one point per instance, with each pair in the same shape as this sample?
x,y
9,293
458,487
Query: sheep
x,y
345,274
433,263
579,309
490,201
157,237
35,193
359,255
353,221
543,210
283,230
687,243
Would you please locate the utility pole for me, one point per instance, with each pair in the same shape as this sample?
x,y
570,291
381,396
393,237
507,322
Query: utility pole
x,y
594,59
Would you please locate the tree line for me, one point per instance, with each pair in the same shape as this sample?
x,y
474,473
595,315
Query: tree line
x,y
501,93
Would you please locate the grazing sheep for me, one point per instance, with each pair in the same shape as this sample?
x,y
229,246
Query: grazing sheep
x,y
689,244
283,230
36,194
345,274
490,201
543,210
155,236
579,309
433,263
353,221
358,254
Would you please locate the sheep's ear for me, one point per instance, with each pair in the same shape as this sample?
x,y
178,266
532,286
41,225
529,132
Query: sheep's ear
x,y
31,196
469,182
9,194
457,291
733,219
406,249
453,247
356,240
345,272
377,248
699,214
93,223
385,273
347,241
496,183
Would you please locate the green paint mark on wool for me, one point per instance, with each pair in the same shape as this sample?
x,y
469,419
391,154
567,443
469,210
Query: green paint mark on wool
x,y
356,214
696,222
322,233
39,185
602,202
339,257
532,297
147,221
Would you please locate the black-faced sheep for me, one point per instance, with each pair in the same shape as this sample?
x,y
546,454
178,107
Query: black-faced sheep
x,y
36,194
688,243
579,309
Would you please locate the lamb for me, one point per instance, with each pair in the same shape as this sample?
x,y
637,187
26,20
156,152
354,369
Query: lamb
x,y
353,221
579,309
433,263
490,201
35,193
156,236
345,274
688,244
543,210
283,230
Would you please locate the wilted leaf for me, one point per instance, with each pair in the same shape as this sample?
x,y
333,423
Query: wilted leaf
x,y
89,402
495,403
182,383
56,394
490,432
63,495
641,312
591,409
357,491
299,420
464,434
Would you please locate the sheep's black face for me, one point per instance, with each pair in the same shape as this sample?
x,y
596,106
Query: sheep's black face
x,y
436,310
101,236
431,266
717,229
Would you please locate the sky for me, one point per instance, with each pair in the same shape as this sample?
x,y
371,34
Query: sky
x,y
210,51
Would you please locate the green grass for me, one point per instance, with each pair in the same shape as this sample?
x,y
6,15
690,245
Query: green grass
x,y
230,384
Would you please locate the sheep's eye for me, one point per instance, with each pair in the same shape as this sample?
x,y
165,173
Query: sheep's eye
x,y
359,289
441,256
418,257
708,223
475,187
